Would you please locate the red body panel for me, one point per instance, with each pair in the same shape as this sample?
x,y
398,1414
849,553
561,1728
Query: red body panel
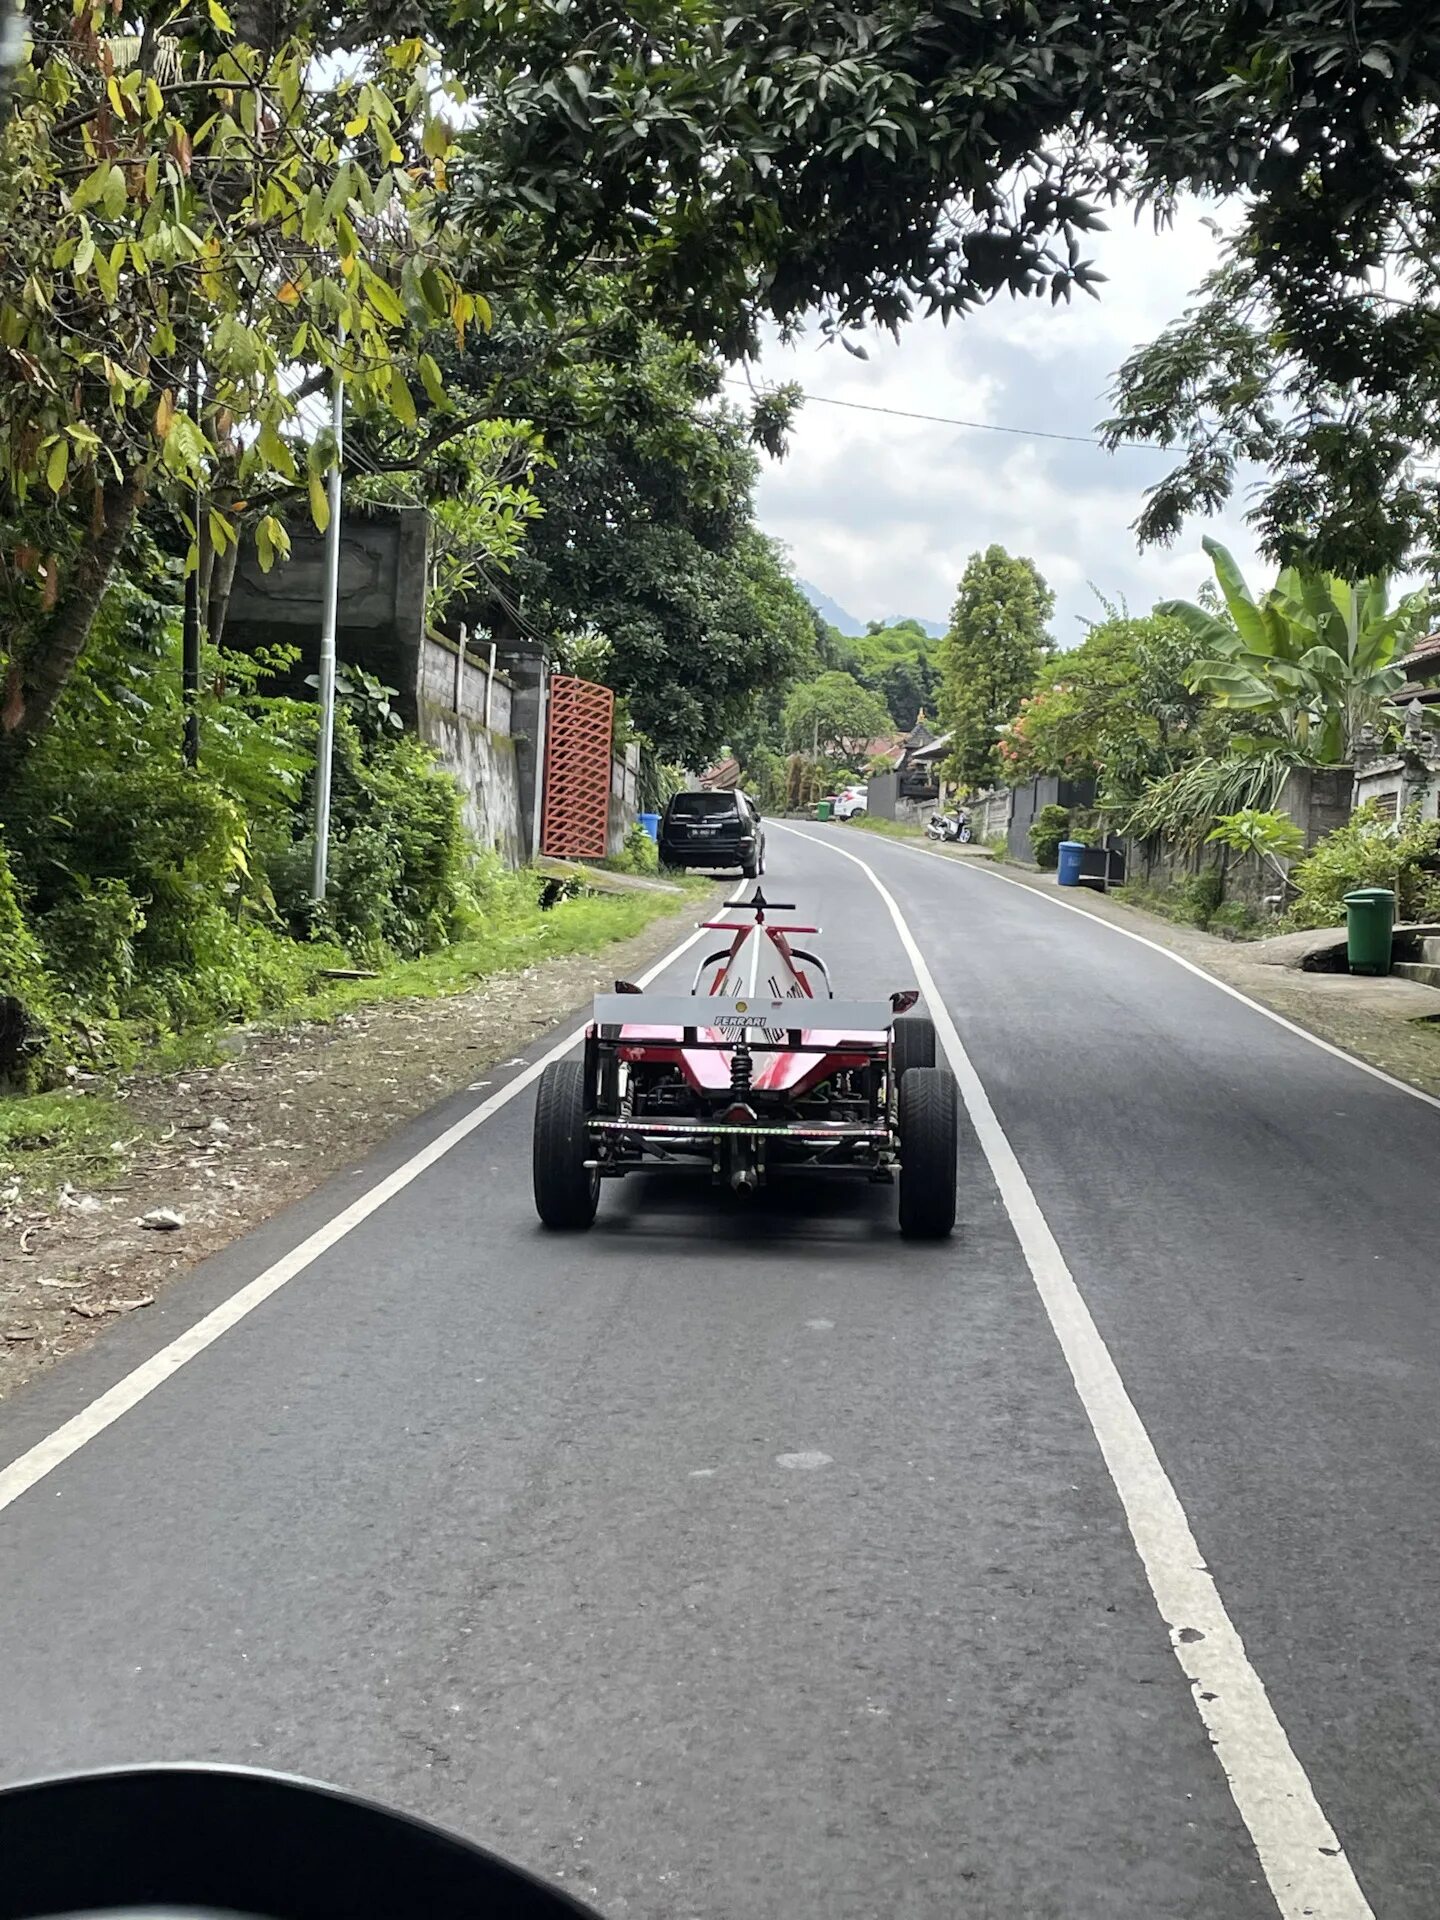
x,y
760,961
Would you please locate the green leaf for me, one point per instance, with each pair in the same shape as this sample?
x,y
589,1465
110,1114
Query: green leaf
x,y
433,288
91,187
319,503
219,18
274,451
430,378
222,532
272,542
57,465
341,188
113,195
402,401
384,300
1238,600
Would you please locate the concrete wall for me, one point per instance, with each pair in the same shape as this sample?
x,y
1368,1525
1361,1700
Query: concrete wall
x,y
381,628
624,797
483,763
380,625
990,814
1317,799
438,662
883,795
1401,780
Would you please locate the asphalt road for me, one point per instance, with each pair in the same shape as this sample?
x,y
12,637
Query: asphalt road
x,y
495,1526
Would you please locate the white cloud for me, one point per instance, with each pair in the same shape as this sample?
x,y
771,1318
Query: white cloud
x,y
882,513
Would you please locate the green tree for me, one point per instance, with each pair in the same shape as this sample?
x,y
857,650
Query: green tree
x,y
190,220
991,657
1313,661
890,158
900,662
834,715
645,531
1118,708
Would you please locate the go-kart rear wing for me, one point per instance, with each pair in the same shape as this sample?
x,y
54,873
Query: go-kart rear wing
x,y
744,1017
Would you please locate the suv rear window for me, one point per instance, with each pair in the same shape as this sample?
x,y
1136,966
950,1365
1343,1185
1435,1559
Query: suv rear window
x,y
702,806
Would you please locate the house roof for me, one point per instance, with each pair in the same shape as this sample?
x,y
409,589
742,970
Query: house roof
x,y
724,776
1423,661
932,749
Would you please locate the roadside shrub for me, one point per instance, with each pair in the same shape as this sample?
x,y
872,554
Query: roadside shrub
x,y
400,854
1049,827
1237,920
1370,851
27,1013
89,943
638,853
1201,895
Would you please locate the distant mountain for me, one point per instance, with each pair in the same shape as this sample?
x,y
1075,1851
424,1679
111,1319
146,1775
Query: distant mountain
x,y
831,610
852,628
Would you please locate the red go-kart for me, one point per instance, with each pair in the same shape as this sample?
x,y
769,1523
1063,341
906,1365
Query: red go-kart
x,y
759,1068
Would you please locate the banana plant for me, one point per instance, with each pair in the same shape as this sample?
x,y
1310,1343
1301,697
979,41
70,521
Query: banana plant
x,y
1314,659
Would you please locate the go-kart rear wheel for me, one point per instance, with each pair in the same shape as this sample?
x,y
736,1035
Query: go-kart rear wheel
x,y
929,1127
912,1044
567,1192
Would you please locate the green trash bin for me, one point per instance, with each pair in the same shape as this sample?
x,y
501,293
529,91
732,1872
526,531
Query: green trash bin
x,y
1369,925
822,811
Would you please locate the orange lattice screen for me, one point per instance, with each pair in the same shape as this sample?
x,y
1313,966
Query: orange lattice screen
x,y
576,809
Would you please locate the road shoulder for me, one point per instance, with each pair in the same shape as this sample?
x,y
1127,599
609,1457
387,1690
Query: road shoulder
x,y
224,1147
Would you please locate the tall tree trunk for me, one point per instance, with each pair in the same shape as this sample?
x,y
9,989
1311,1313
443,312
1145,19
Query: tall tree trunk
x,y
222,579
49,661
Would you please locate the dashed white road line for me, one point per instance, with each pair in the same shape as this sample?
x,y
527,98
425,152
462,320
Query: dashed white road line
x,y
67,1440
1302,1859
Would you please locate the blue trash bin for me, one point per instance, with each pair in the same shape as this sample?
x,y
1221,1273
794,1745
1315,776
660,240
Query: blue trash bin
x,y
651,824
1068,866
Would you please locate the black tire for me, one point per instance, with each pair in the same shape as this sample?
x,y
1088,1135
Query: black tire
x,y
567,1192
929,1135
912,1044
751,870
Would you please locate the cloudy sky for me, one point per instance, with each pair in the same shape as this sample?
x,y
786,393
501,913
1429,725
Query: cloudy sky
x,y
882,513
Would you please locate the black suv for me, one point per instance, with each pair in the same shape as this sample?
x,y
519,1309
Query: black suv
x,y
713,830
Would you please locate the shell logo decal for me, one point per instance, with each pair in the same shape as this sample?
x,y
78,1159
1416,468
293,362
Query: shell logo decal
x,y
742,1006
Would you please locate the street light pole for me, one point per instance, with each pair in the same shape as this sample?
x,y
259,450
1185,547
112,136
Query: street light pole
x,y
191,625
325,751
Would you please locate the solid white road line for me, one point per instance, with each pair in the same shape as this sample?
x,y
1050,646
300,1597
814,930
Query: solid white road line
x,y
66,1440
1302,1860
1166,953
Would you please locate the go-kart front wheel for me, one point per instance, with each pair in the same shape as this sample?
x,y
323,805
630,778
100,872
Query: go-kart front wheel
x,y
929,1126
567,1192
912,1044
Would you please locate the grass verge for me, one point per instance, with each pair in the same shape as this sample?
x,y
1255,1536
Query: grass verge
x,y
892,829
74,1133
60,1136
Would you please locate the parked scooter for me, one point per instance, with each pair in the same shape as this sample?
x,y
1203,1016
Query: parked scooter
x,y
954,827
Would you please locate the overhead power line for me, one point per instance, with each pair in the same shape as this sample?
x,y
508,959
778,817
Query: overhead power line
x,y
950,420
